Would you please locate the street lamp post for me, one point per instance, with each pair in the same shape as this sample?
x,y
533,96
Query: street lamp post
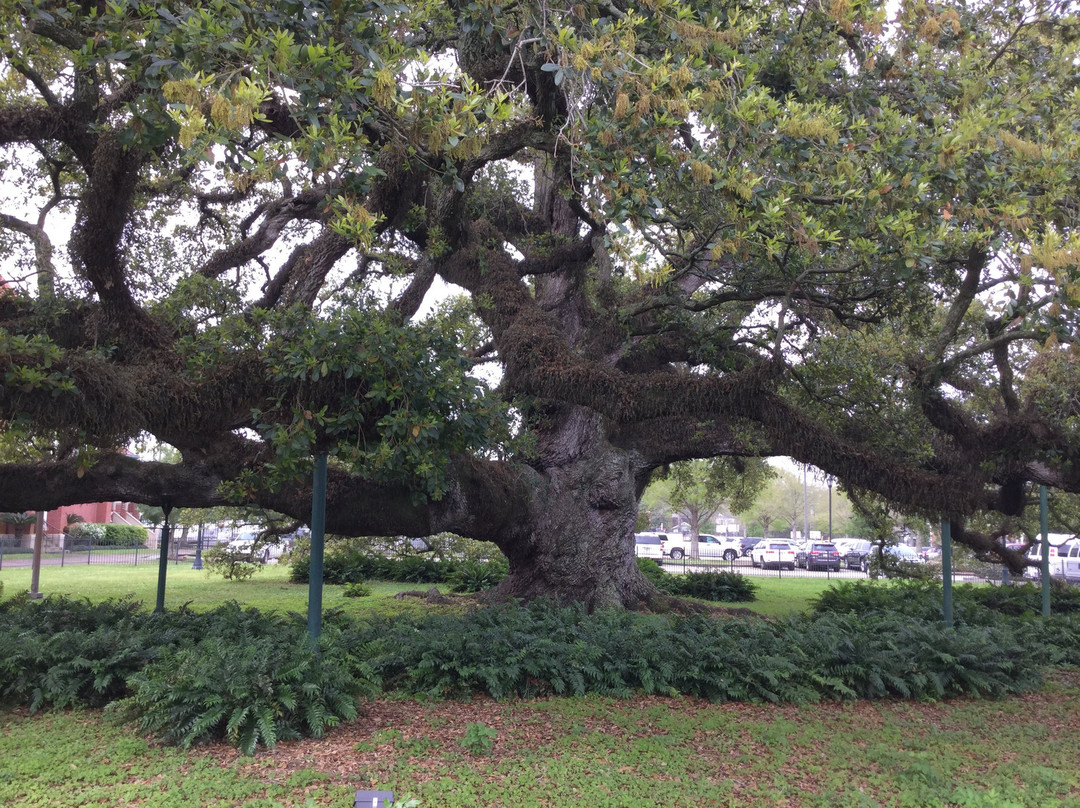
x,y
197,565
829,480
805,513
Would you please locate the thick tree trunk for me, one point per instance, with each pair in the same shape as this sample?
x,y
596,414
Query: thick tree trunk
x,y
577,541
578,544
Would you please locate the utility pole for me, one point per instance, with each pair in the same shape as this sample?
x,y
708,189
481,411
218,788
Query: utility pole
x,y
197,564
830,480
805,514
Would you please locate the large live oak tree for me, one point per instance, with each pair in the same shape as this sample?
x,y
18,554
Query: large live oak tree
x,y
677,229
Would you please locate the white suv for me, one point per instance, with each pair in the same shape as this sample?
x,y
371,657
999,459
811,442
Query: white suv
x,y
677,547
649,545
1064,561
772,553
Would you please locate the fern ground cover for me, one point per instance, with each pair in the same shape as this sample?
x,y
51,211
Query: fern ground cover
x,y
601,752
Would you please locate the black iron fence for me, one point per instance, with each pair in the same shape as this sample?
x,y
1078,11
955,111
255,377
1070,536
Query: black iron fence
x,y
182,549
84,551
744,565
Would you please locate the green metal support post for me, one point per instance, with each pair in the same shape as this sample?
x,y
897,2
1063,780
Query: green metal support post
x,y
946,571
1044,566
318,542
35,564
163,559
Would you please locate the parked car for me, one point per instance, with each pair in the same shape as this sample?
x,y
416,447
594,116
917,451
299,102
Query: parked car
x,y
748,543
677,547
245,543
1064,561
902,552
861,555
818,555
844,545
772,553
857,555
649,545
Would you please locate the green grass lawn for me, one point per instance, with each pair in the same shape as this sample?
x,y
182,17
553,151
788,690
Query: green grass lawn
x,y
270,589
777,597
601,752
597,752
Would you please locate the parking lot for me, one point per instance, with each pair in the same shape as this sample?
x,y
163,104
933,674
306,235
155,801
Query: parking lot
x,y
744,567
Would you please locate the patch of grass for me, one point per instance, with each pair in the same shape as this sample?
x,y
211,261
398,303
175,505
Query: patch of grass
x,y
74,759
597,751
268,590
779,597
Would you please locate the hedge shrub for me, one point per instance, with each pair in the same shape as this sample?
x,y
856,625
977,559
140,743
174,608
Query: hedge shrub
x,y
88,531
723,586
974,603
125,535
355,566
96,534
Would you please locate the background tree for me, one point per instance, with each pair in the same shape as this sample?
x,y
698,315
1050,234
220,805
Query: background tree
x,y
702,488
765,518
781,499
20,521
679,230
